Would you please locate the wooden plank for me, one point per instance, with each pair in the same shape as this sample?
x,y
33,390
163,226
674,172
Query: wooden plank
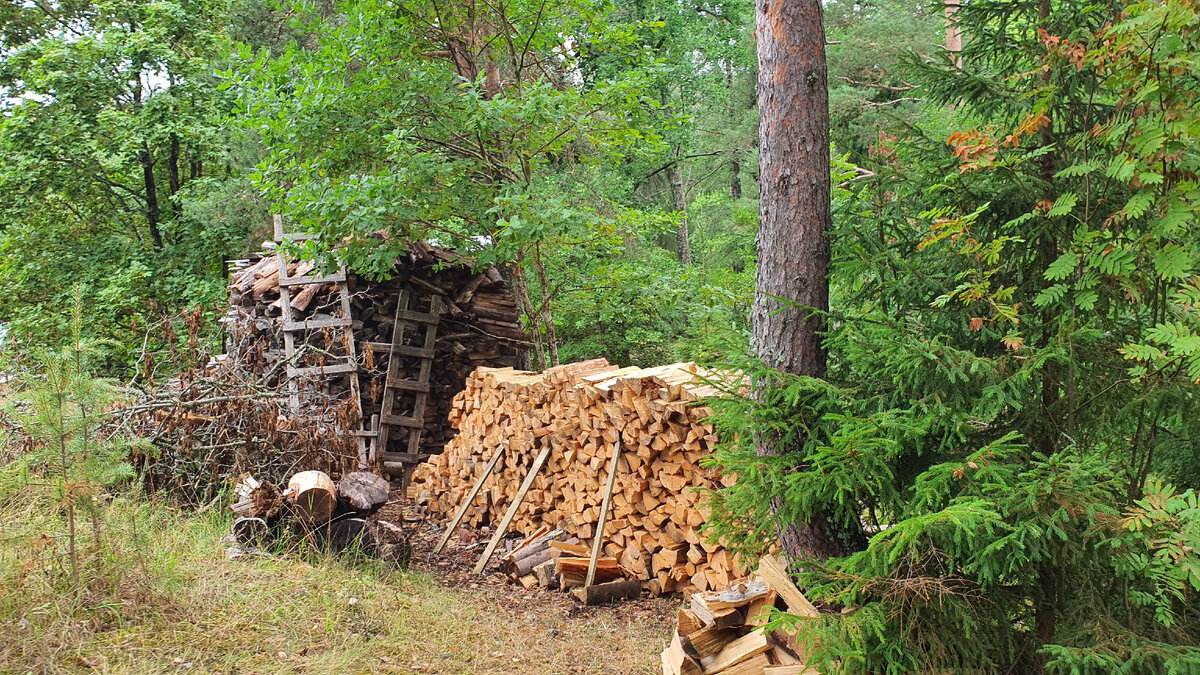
x,y
332,369
401,421
389,397
754,665
352,354
791,670
512,509
419,317
313,279
404,350
313,324
289,340
462,510
612,480
410,385
772,571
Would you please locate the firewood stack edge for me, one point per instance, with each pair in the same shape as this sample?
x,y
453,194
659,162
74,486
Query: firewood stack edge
x,y
721,631
581,413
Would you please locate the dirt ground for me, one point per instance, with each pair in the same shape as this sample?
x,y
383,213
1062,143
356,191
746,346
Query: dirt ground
x,y
625,637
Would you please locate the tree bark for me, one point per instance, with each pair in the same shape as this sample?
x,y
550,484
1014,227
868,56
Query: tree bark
x,y
735,159
535,329
152,214
173,175
791,286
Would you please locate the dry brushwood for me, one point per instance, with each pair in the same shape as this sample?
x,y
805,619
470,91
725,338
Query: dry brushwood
x,y
202,429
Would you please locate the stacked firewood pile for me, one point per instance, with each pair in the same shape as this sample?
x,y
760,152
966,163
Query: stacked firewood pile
x,y
722,631
580,415
478,327
313,506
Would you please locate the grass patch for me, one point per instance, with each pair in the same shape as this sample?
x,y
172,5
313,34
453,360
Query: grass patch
x,y
157,594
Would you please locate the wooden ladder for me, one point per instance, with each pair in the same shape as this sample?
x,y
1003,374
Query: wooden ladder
x,y
347,365
402,462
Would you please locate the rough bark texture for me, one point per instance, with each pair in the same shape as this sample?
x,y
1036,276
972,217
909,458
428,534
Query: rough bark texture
x,y
152,213
793,239
794,189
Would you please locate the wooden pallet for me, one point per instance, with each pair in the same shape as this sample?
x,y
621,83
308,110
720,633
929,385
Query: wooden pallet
x,y
402,463
347,365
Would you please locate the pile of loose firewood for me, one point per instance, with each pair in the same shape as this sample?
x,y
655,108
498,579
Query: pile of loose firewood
x,y
479,326
552,559
721,631
574,419
312,506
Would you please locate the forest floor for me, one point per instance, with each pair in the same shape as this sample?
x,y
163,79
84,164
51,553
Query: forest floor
x,y
160,595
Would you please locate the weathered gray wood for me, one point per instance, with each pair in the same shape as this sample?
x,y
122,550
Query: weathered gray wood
x,y
462,510
364,491
608,490
512,509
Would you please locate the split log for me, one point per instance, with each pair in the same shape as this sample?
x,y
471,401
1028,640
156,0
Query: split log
x,y
721,632
255,499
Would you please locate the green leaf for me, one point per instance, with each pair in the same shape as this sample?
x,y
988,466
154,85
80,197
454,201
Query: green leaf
x,y
1050,295
1081,169
1172,262
1063,205
1062,267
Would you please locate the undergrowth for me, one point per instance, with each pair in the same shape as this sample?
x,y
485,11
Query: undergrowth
x,y
158,594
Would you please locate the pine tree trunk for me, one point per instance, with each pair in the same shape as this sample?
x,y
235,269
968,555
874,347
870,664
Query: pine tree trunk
x,y
793,239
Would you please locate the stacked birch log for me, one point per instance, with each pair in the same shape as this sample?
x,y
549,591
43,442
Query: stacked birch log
x,y
583,412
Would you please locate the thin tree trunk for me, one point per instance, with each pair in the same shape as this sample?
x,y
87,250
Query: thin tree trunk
x,y
527,305
683,246
795,219
152,213
1045,620
735,159
953,32
547,316
173,174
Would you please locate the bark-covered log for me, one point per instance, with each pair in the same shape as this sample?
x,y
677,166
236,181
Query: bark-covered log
x,y
364,491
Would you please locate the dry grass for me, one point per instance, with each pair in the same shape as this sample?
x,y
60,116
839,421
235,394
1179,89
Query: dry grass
x,y
160,596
